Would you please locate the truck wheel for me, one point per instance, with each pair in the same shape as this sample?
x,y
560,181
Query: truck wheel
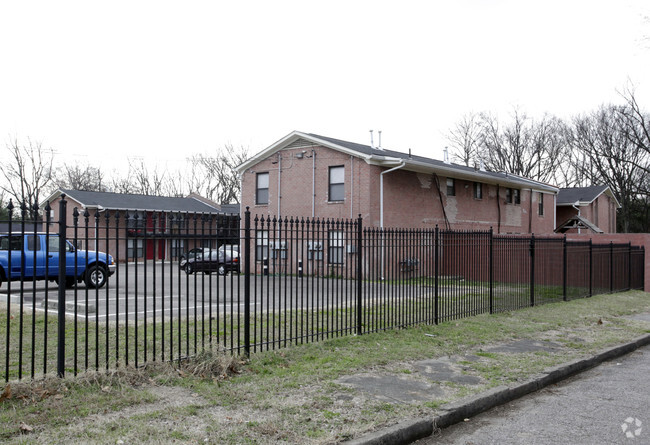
x,y
222,269
189,269
95,276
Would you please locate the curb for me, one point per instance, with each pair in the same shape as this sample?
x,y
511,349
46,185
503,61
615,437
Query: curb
x,y
411,430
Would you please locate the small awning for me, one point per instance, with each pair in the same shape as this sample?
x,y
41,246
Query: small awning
x,y
578,222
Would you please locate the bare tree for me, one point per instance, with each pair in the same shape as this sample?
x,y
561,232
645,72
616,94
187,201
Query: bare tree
x,y
143,180
636,123
78,177
214,177
465,138
27,170
603,138
523,146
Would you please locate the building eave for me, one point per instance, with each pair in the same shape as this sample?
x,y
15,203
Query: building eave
x,y
452,172
288,140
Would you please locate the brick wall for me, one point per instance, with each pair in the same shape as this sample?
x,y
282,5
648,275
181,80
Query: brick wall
x,y
411,200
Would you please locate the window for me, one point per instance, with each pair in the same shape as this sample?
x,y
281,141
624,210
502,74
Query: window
x,y
16,243
135,223
262,189
513,196
314,250
135,248
279,250
177,248
451,187
540,209
261,245
337,183
336,247
478,190
33,243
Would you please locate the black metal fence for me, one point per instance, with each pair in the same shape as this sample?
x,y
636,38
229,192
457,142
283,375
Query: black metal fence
x,y
262,283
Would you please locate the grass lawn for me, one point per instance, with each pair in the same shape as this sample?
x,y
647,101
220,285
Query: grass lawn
x,y
291,394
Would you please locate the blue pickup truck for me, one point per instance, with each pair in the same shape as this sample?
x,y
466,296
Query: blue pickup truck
x,y
37,256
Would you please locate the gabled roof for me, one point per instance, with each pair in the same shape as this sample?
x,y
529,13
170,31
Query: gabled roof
x,y
391,158
583,196
126,201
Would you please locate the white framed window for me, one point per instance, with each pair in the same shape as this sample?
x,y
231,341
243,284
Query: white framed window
x,y
262,188
451,187
336,183
335,253
177,247
279,250
314,250
134,248
261,245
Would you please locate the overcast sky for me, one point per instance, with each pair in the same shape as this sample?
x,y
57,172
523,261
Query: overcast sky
x,y
100,82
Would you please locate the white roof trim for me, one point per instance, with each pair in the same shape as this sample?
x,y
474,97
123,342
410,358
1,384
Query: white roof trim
x,y
389,161
289,139
607,191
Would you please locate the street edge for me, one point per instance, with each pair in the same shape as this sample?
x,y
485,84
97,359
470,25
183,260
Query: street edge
x,y
409,431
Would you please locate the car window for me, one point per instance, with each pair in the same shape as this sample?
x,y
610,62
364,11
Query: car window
x,y
16,243
53,243
33,243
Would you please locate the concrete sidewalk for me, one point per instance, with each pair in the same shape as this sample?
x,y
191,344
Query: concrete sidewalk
x,y
397,389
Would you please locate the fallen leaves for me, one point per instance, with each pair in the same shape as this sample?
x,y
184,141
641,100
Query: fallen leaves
x,y
6,394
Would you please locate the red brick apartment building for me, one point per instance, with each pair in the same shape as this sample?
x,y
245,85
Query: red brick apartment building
x,y
308,175
139,226
587,210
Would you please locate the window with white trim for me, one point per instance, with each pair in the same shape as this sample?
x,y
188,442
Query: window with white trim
x,y
335,253
261,245
336,183
262,188
134,248
451,187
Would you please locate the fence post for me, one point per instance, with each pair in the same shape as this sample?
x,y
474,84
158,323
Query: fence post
x,y
629,265
10,209
60,352
247,282
491,265
611,267
532,269
359,275
564,268
591,267
436,274
643,268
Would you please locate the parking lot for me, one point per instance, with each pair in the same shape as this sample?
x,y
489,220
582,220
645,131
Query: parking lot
x,y
148,290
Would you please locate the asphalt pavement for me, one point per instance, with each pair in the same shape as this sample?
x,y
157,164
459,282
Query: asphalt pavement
x,y
609,404
599,399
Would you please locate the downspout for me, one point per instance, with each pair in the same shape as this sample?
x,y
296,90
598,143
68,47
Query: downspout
x,y
313,183
530,212
381,192
351,186
554,212
498,210
381,210
279,183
